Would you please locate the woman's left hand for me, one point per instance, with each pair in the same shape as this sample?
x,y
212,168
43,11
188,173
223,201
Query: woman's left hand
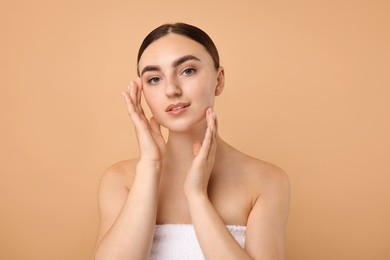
x,y
198,175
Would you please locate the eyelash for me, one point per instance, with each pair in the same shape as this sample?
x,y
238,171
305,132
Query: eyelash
x,y
187,69
153,79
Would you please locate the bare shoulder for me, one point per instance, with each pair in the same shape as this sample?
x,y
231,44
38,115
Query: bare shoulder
x,y
120,173
114,187
269,187
265,172
258,175
113,190
268,177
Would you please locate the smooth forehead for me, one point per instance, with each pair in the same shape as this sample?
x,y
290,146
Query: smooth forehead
x,y
170,47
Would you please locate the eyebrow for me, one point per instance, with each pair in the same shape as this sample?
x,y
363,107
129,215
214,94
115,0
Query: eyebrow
x,y
184,59
176,63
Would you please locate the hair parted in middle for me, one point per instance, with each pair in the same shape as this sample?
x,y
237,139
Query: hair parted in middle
x,y
184,29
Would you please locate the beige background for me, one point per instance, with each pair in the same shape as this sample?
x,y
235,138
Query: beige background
x,y
307,89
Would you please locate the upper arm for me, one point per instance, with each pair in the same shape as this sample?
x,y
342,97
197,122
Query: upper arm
x,y
111,197
266,227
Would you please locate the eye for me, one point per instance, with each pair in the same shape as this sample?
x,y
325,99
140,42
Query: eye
x,y
188,71
154,80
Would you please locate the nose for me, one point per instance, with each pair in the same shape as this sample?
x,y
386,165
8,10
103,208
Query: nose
x,y
172,88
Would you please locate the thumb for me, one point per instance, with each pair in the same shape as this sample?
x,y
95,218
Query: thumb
x,y
196,148
155,126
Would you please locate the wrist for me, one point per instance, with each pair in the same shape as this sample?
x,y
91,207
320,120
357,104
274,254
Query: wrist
x,y
150,165
196,197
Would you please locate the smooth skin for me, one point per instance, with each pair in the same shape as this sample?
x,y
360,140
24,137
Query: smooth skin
x,y
194,177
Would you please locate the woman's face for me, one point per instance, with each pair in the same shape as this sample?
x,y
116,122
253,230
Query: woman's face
x,y
179,81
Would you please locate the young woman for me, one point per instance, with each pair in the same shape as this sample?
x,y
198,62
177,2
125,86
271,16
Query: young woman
x,y
192,196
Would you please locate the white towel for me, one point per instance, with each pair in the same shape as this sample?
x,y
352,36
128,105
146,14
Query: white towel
x,y
178,241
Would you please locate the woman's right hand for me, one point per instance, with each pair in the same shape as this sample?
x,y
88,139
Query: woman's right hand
x,y
150,140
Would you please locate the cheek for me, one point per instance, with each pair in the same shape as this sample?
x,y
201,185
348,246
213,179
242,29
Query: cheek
x,y
205,94
151,101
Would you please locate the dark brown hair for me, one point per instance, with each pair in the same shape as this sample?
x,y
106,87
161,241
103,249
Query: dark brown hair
x,y
184,29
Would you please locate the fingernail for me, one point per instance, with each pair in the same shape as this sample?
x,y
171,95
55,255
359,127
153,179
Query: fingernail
x,y
214,116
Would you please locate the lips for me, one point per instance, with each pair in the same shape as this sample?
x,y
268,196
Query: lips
x,y
177,106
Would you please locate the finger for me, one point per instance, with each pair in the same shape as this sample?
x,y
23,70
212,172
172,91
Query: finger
x,y
131,110
140,108
213,143
138,95
212,150
133,93
126,97
129,104
208,114
140,84
215,121
155,126
204,150
138,119
212,120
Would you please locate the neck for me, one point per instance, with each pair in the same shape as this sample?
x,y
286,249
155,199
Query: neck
x,y
179,147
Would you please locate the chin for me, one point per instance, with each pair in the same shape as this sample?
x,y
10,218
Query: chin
x,y
181,126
